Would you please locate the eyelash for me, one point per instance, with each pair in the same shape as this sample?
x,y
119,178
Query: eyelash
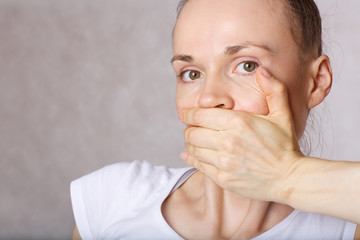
x,y
181,74
248,61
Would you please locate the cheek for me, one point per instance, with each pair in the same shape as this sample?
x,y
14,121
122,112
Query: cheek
x,y
246,95
187,96
286,68
249,98
298,102
298,106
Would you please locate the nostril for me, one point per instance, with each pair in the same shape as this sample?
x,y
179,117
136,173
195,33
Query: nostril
x,y
220,106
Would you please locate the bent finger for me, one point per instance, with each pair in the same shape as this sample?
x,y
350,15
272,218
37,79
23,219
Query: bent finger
x,y
220,160
276,93
207,169
202,137
212,118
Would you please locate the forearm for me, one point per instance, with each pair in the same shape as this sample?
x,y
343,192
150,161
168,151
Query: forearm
x,y
325,187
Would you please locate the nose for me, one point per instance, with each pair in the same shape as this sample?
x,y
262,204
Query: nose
x,y
216,93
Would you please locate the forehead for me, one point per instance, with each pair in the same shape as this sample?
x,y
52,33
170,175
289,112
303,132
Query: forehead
x,y
212,24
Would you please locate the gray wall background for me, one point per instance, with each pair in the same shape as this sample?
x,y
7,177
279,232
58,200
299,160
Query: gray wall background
x,y
87,83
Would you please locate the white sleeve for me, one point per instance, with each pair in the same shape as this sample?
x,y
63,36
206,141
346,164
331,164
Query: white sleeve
x,y
88,196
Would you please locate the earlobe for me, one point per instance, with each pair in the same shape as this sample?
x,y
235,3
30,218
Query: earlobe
x,y
321,81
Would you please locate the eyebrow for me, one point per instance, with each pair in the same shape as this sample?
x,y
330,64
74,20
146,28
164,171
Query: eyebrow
x,y
184,58
231,50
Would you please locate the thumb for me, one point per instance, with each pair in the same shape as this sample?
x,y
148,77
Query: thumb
x,y
276,93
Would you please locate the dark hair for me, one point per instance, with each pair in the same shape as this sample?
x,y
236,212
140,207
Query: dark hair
x,y
305,16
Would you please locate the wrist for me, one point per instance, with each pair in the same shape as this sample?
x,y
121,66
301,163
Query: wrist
x,y
294,175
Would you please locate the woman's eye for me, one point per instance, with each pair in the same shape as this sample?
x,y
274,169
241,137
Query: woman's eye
x,y
190,75
247,67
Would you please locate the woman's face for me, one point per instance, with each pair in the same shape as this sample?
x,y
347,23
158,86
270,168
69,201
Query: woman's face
x,y
217,47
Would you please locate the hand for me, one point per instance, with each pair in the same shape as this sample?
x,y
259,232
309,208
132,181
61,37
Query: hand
x,y
249,154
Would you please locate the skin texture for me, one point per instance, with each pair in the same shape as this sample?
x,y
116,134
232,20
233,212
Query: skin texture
x,y
205,38
229,111
220,104
220,142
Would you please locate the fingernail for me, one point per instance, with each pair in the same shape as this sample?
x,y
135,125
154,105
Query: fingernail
x,y
180,117
266,73
184,156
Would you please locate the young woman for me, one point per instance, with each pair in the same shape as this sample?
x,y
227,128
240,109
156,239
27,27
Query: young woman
x,y
225,54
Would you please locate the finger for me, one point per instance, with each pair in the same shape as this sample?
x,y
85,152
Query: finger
x,y
218,159
205,155
211,118
219,176
203,167
202,137
276,93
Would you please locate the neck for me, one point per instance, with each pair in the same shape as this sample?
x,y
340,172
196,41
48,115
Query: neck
x,y
231,215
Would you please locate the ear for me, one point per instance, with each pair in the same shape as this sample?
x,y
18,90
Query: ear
x,y
320,82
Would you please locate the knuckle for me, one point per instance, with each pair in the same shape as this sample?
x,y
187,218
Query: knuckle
x,y
198,165
188,134
230,144
280,88
193,151
225,162
197,116
221,178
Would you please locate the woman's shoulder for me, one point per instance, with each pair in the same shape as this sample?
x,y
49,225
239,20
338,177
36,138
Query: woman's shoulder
x,y
119,191
133,173
326,226
303,225
125,178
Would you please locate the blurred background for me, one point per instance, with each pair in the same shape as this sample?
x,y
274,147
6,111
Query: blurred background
x,y
88,83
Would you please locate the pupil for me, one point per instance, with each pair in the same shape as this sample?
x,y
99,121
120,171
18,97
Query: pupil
x,y
194,75
249,67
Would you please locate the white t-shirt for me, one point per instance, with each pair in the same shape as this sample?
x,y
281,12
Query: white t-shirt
x,y
123,201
